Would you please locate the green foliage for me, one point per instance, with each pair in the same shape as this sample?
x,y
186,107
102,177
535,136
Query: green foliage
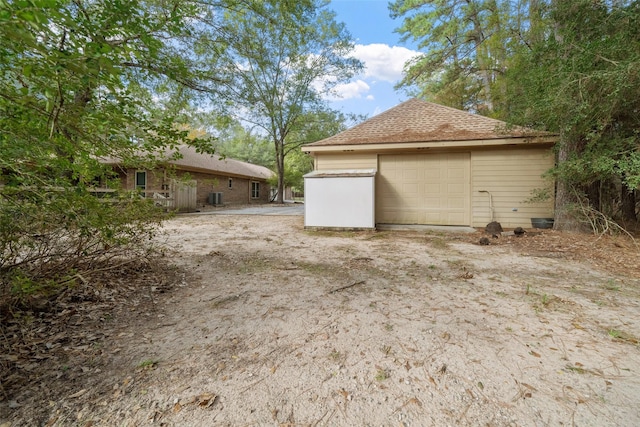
x,y
281,58
239,143
465,46
48,238
582,82
76,80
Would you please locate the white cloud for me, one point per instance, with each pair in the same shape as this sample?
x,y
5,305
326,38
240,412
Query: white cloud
x,y
353,89
383,62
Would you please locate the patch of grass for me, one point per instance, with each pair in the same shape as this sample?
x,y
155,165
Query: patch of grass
x,y
377,235
458,263
541,301
388,327
336,356
614,333
624,336
576,369
545,300
382,374
314,268
148,364
432,267
333,233
611,285
438,242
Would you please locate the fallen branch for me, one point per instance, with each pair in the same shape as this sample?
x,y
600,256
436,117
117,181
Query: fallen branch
x,y
346,287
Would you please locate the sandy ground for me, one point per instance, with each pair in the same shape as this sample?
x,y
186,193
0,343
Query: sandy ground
x,y
278,326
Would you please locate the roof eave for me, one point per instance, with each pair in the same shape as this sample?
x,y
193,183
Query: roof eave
x,y
210,171
386,146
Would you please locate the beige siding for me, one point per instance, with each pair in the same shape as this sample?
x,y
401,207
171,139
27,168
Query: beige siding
x,y
423,189
510,176
407,188
346,161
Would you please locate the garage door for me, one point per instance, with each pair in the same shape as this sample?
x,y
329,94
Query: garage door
x,y
424,189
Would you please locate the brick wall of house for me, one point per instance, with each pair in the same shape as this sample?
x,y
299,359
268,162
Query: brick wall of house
x,y
239,193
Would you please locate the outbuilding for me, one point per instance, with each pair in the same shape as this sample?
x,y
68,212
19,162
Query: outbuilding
x,y
437,165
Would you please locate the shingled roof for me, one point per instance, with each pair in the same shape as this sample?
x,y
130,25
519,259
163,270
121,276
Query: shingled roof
x,y
189,159
420,121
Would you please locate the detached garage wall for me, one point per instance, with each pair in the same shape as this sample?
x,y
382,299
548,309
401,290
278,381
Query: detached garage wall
x,y
347,160
510,176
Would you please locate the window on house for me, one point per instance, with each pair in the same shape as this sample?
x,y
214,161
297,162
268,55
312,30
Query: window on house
x,y
255,190
230,183
141,180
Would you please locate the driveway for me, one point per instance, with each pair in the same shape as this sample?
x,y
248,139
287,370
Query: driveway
x,y
295,209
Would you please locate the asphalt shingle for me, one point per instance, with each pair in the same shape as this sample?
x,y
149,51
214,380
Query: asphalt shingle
x,y
420,121
191,159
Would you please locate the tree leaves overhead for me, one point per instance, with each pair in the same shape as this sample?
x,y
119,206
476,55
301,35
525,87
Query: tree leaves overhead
x,y
76,84
75,71
282,57
582,81
465,44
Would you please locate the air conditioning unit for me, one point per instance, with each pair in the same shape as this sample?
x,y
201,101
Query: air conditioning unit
x,y
215,198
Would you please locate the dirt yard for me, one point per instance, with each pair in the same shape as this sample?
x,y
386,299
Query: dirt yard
x,y
275,325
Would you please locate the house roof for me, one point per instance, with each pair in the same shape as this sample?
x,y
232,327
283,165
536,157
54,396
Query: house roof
x,y
416,120
191,160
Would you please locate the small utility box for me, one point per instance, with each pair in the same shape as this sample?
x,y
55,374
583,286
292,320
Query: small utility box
x,y
342,199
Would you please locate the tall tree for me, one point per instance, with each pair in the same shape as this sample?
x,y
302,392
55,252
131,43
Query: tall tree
x,y
581,80
316,125
283,56
465,43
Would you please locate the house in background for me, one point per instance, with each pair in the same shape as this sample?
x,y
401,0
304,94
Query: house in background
x,y
195,180
424,163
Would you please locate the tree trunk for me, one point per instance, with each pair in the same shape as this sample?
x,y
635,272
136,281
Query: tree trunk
x,y
485,74
628,198
280,171
594,195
